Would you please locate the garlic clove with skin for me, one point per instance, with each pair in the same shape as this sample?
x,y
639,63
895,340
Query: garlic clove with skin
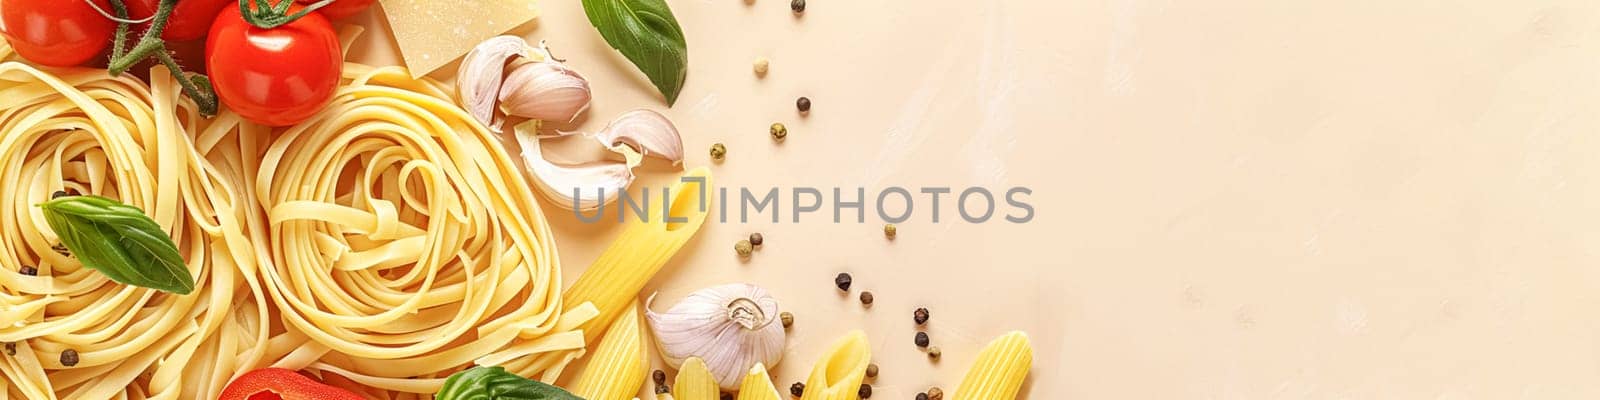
x,y
482,70
732,327
645,131
544,90
575,186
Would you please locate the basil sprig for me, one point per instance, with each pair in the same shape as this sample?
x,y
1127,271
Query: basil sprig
x,y
495,383
648,35
120,241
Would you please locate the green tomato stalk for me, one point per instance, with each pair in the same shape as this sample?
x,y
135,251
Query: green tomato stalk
x,y
197,86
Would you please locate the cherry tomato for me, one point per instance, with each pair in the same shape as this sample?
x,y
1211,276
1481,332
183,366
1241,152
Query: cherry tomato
x,y
189,21
277,76
282,384
56,32
339,8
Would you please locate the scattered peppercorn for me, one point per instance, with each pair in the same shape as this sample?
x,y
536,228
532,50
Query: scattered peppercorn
x,y
804,104
28,270
921,339
58,194
799,6
865,392
11,349
744,248
920,316
922,396
787,318
663,389
726,396
872,370
934,353
866,298
797,389
889,230
61,249
842,281
779,132
756,239
761,66
718,152
69,357
935,394
660,377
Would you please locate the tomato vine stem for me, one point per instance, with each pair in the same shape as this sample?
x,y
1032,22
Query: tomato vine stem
x,y
196,86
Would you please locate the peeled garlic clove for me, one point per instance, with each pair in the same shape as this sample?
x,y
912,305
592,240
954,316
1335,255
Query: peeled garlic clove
x,y
544,90
482,70
730,326
574,186
645,131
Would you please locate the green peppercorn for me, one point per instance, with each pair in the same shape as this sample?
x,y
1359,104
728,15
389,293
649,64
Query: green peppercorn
x,y
920,316
865,391
799,6
797,389
663,389
744,248
787,319
921,339
756,239
866,298
69,357
804,104
719,152
934,353
872,370
28,270
935,394
889,230
842,281
779,132
660,377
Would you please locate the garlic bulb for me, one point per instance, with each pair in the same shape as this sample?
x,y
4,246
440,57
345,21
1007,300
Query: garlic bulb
x,y
544,90
732,327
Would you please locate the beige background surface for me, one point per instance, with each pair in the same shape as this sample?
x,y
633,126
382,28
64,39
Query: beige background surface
x,y
1235,198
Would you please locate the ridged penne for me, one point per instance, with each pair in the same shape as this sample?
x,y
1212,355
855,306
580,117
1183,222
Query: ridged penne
x,y
614,279
619,365
838,374
999,371
694,382
758,386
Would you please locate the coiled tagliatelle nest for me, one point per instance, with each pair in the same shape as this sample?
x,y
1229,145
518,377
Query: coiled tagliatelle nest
x,y
388,241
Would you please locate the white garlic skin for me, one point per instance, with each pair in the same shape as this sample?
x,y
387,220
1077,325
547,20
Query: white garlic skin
x,y
701,326
544,90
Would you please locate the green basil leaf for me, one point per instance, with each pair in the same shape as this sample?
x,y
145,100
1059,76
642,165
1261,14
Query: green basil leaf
x,y
120,241
648,35
495,383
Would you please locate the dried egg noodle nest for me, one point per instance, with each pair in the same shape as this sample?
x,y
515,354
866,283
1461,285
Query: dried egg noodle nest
x,y
83,130
405,245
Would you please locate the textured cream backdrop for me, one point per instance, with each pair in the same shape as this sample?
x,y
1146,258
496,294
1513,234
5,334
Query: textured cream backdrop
x,y
1244,199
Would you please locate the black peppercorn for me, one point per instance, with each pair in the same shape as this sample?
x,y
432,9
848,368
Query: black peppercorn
x,y
659,377
872,370
28,270
842,281
727,396
865,392
804,104
756,239
920,316
866,298
663,389
797,389
11,349
922,339
799,6
922,396
69,357
58,194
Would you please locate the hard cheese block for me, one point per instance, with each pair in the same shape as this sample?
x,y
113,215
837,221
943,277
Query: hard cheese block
x,y
432,33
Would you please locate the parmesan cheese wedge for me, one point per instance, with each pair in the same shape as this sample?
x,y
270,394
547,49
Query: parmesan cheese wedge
x,y
432,33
